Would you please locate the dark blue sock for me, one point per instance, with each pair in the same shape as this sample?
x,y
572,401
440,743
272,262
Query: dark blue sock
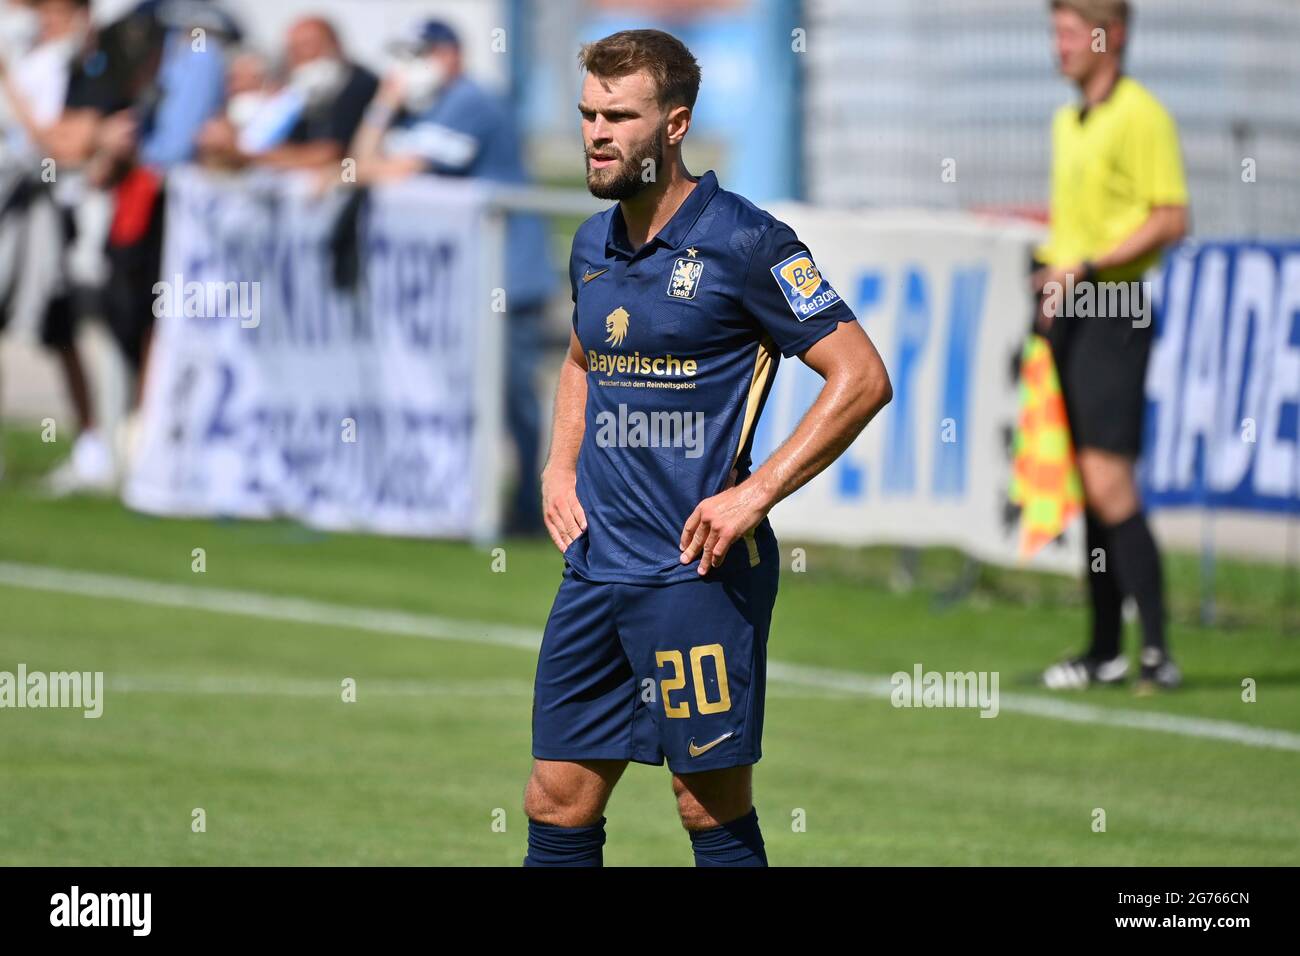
x,y
550,845
738,843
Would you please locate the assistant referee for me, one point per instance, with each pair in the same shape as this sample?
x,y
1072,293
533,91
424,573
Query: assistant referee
x,y
1119,197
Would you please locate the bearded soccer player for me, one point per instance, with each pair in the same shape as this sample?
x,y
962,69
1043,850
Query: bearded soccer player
x,y
685,298
1118,199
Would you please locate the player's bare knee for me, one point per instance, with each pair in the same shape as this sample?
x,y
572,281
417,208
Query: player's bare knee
x,y
705,814
708,800
567,795
548,800
538,804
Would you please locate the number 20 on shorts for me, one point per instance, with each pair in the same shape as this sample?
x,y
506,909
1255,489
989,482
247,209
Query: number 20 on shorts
x,y
677,681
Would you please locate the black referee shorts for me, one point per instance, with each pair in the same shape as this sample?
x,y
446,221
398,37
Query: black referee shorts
x,y
1101,354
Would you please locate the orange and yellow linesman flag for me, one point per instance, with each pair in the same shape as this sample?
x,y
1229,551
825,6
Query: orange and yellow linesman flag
x,y
1045,478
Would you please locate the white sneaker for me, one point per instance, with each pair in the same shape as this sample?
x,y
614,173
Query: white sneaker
x,y
88,469
1079,672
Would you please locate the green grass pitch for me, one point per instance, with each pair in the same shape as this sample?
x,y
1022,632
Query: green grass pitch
x,y
242,715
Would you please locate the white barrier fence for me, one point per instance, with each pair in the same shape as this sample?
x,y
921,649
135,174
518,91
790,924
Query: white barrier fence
x,y
273,392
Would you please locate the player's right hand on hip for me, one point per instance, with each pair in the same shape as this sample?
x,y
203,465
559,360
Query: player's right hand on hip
x,y
561,511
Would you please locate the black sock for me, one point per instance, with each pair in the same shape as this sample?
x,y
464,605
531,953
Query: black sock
x,y
1103,589
1137,564
737,843
550,845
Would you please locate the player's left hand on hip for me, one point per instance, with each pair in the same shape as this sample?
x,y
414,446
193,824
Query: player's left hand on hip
x,y
717,523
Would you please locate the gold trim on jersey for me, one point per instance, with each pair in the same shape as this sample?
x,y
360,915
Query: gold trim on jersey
x,y
764,369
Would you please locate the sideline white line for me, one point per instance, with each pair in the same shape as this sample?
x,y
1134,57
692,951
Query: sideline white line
x,y
235,685
1053,708
239,685
265,606
302,611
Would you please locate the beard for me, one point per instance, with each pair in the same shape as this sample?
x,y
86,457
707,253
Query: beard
x,y
623,181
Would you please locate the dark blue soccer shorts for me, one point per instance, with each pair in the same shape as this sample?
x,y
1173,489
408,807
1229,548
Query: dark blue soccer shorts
x,y
641,672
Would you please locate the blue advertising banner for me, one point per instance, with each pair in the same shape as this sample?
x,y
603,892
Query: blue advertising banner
x,y
1223,387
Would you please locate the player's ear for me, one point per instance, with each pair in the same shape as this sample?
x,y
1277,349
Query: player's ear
x,y
679,123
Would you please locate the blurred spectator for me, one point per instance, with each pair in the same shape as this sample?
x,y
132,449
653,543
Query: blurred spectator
x,y
170,59
248,78
307,124
259,106
35,78
260,111
429,117
19,27
48,140
134,96
190,84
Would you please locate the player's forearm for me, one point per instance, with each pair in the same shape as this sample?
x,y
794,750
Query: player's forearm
x,y
1165,225
848,401
570,417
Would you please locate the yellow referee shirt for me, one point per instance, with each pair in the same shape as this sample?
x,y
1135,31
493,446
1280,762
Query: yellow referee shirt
x,y
1108,170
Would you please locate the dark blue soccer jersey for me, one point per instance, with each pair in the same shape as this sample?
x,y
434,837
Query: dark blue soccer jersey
x,y
682,339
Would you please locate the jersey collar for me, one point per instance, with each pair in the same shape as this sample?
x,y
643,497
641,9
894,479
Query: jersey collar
x,y
674,232
1084,110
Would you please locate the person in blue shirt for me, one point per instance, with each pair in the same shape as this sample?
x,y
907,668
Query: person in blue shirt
x,y
686,297
191,90
430,118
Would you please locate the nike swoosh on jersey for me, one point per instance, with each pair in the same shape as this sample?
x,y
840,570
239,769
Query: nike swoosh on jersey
x,y
695,751
588,276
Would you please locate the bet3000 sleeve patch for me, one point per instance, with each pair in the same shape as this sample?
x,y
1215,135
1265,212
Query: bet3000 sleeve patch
x,y
805,291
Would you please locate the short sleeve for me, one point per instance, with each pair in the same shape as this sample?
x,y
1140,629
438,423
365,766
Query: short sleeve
x,y
1158,164
452,142
787,294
